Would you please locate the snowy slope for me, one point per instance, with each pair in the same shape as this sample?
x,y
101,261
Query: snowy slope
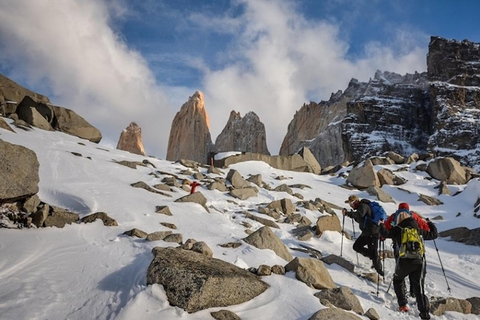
x,y
94,272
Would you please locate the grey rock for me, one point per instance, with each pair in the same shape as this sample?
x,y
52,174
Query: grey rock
x,y
19,175
107,221
264,238
196,197
136,233
333,314
163,210
312,272
343,298
194,282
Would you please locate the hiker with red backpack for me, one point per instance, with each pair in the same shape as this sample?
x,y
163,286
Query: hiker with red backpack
x,y
407,236
390,223
367,243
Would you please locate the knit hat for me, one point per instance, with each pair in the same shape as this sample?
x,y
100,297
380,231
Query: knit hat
x,y
403,205
402,216
352,198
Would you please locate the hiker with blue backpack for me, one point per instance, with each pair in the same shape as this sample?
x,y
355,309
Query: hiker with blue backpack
x,y
407,236
367,213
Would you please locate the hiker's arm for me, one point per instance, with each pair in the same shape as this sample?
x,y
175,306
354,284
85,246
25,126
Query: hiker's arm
x,y
432,234
421,223
383,230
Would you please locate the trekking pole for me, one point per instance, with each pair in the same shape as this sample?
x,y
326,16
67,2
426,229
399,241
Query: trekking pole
x,y
441,264
353,226
383,256
379,248
343,228
390,284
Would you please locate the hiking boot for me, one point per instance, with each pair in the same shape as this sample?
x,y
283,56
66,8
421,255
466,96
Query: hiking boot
x,y
424,315
403,308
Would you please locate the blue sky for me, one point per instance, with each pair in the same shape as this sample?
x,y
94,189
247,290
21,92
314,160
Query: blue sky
x,y
118,61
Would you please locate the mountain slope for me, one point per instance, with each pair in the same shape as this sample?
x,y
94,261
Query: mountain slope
x,y
89,271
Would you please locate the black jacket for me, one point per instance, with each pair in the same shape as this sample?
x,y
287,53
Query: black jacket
x,y
367,226
396,232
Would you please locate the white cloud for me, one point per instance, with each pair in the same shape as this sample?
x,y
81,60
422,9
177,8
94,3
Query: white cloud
x,y
281,60
87,66
276,60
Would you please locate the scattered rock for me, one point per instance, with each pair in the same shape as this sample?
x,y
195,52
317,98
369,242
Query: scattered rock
x,y
264,238
312,272
194,282
342,297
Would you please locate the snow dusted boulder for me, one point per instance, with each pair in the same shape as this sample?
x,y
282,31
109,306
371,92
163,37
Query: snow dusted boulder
x,y
18,172
196,197
448,170
283,205
328,222
380,194
342,297
441,305
236,179
194,282
333,314
264,238
224,315
364,177
106,219
312,272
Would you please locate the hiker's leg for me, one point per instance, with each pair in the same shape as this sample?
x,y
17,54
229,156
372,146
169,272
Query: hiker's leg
x,y
359,246
399,287
416,281
373,246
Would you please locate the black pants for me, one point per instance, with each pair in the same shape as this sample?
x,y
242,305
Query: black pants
x,y
367,246
416,272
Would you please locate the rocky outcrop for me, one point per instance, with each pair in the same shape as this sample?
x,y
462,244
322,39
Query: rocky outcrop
x,y
190,132
35,109
314,118
435,111
245,134
131,140
19,175
11,93
70,122
294,163
193,281
35,113
454,72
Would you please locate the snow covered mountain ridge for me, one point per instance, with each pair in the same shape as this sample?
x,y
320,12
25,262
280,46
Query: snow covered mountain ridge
x,y
432,112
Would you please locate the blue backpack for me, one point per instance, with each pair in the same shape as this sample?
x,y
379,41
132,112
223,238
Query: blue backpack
x,y
378,213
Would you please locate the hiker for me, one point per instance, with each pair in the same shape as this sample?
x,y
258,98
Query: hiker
x,y
194,187
390,223
411,259
367,243
404,207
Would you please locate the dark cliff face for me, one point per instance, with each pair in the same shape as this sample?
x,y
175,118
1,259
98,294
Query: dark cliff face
x,y
392,115
454,74
436,111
